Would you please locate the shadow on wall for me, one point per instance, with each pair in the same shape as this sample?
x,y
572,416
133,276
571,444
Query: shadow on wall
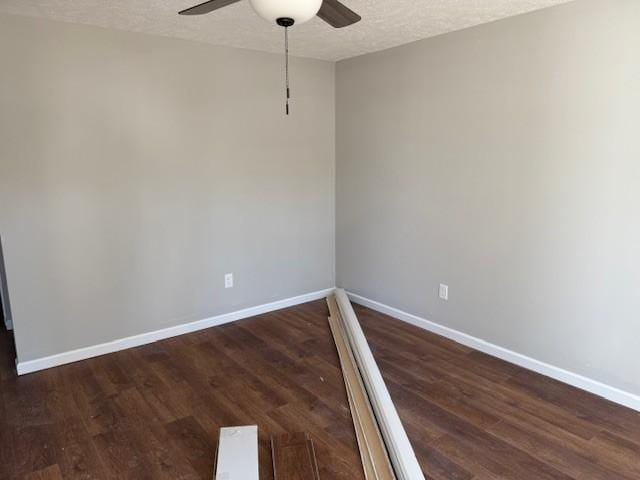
x,y
4,293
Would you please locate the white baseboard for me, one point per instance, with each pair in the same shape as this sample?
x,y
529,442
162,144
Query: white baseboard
x,y
8,324
150,337
593,386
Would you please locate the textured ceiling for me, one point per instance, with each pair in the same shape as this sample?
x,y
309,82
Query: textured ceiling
x,y
385,23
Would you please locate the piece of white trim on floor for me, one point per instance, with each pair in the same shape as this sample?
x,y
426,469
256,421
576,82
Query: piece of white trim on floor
x,y
613,394
401,453
150,337
238,453
373,450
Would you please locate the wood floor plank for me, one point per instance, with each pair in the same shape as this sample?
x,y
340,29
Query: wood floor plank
x,y
194,442
622,455
155,411
293,457
77,456
554,453
50,473
121,456
506,398
598,411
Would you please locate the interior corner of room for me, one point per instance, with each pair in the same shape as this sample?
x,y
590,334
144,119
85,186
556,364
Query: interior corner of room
x,y
473,187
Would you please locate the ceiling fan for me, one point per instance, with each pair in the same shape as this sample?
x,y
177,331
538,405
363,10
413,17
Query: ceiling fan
x,y
286,13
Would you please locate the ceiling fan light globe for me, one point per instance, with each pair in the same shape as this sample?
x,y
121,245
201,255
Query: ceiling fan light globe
x,y
299,10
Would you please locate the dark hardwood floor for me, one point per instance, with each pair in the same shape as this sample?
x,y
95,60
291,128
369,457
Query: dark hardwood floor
x,y
154,412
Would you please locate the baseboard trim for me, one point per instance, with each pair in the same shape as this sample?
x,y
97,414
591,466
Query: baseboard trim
x,y
614,394
8,324
150,337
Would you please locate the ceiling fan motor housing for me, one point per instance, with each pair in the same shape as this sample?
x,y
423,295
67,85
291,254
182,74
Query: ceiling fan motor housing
x,y
295,11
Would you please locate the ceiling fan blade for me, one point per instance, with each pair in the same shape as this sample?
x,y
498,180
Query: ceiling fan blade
x,y
337,15
207,7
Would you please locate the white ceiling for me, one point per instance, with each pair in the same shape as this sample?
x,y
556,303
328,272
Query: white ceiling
x,y
385,23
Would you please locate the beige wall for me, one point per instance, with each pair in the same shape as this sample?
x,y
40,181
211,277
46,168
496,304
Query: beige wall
x,y
504,161
136,170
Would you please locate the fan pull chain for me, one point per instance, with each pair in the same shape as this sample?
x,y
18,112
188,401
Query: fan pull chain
x,y
286,63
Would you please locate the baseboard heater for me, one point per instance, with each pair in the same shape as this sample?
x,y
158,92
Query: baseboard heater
x,y
385,450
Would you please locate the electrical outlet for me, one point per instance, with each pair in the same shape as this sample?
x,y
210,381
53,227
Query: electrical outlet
x,y
444,291
228,280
